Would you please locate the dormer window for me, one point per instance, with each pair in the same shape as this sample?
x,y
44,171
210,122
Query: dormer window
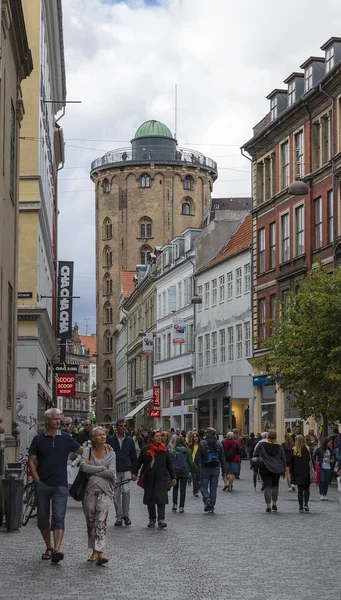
x,y
291,93
308,78
274,108
330,59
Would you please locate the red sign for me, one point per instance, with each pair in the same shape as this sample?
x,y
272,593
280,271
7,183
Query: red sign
x,y
154,414
156,396
65,384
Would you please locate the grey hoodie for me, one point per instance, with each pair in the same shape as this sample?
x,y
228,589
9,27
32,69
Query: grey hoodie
x,y
273,457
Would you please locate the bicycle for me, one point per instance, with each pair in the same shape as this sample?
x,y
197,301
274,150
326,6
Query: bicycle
x,y
29,504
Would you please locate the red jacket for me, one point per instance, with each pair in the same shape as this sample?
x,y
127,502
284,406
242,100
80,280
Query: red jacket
x,y
227,443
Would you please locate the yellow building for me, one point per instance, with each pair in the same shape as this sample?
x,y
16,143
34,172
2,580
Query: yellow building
x,y
41,155
16,64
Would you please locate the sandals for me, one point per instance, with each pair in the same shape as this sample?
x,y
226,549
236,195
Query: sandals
x,y
93,558
45,555
102,560
57,556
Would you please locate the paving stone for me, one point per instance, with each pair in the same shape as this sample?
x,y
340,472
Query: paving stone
x,y
239,552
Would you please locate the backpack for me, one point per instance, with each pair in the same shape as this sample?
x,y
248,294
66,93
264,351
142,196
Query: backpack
x,y
230,451
212,458
179,462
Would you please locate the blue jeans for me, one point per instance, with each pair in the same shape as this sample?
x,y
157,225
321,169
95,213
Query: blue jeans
x,y
44,494
209,477
161,510
325,478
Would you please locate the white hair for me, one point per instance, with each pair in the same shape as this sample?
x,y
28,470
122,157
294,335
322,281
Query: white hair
x,y
48,414
264,435
99,428
230,435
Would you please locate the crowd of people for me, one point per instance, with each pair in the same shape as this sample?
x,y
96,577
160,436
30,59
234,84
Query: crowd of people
x,y
163,462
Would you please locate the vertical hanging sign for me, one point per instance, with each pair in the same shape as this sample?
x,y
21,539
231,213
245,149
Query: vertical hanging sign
x,y
147,344
64,302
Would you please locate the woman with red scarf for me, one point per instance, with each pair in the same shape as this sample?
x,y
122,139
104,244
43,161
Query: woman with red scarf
x,y
156,465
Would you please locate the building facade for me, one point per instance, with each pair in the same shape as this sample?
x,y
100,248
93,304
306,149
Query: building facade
x,y
16,65
145,196
299,139
78,407
89,343
42,153
174,363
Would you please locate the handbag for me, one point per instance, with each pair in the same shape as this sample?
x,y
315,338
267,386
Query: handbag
x,y
78,488
312,472
140,481
256,462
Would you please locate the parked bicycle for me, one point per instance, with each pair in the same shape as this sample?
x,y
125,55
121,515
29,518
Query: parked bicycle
x,y
29,504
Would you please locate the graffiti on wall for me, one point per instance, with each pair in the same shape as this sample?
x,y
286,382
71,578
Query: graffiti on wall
x,y
32,422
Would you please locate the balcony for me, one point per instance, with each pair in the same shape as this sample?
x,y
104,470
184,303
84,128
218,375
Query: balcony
x,y
182,157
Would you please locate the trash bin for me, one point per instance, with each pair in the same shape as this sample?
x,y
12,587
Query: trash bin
x,y
13,490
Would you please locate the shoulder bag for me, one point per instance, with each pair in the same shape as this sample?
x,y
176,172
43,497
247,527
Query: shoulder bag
x,y
312,472
256,462
78,488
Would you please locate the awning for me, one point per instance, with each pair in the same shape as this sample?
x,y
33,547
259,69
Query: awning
x,y
134,412
199,391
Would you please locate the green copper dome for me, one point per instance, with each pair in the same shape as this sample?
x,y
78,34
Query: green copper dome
x,y
153,128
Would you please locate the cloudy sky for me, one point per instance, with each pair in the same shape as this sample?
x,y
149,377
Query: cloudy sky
x,y
123,59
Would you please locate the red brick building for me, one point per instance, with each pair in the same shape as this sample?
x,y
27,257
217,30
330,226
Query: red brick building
x,y
300,138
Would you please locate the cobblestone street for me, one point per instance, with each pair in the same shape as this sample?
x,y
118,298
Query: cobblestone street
x,y
239,552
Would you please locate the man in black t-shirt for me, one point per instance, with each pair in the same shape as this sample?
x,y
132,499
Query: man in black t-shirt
x,y
47,461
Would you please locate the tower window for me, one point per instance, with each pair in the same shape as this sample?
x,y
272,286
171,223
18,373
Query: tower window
x,y
186,209
146,227
145,180
188,183
145,255
106,186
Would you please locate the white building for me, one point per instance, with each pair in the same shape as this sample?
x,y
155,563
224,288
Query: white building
x,y
174,364
223,336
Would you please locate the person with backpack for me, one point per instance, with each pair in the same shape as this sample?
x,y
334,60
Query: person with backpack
x,y
272,464
183,464
211,459
232,458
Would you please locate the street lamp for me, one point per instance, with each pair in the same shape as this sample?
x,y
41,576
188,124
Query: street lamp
x,y
298,188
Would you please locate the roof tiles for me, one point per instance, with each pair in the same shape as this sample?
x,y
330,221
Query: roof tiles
x,y
127,282
239,241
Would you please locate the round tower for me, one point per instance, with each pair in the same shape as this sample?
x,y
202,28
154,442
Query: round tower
x,y
146,194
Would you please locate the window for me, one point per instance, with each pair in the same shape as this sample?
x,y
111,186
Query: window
x,y
330,59
285,165
308,78
106,186
267,179
200,352
107,313
164,303
260,182
261,250
272,245
239,335
291,93
247,339
330,207
146,230
325,135
108,258
318,222
200,296
230,344
214,348
107,370
188,281
247,278
222,288
299,218
207,296
107,285
145,255
186,209
284,302
316,152
261,319
229,285
238,282
107,229
299,157
273,307
9,345
180,294
169,345
107,342
158,348
285,238
274,108
159,306
145,180
207,349
171,299
12,163
107,398
214,292
222,345
188,183
189,338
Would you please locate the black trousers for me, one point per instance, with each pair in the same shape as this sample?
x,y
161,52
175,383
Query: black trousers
x,y
180,482
303,493
196,482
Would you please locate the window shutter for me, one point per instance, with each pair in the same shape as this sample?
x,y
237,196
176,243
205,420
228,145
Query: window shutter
x,y
172,298
188,290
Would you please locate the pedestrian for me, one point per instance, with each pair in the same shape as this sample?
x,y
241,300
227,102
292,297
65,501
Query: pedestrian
x,y
196,474
138,441
100,466
155,464
47,462
85,434
326,459
175,436
211,459
250,446
273,466
301,471
232,458
311,441
297,431
288,445
165,439
124,448
183,464
241,444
